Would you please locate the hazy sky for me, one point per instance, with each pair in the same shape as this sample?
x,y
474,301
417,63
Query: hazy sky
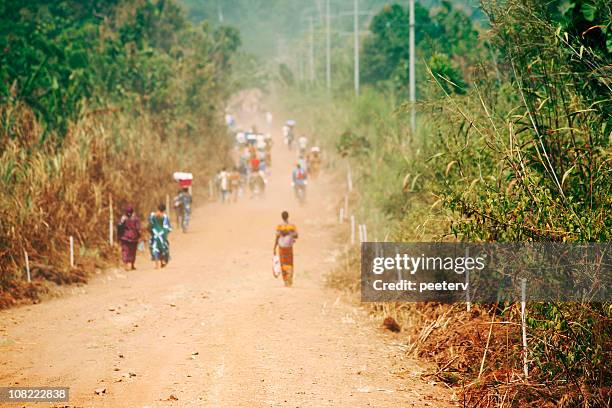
x,y
265,23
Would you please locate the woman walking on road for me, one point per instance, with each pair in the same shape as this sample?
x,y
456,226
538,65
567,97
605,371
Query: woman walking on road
x,y
159,228
128,231
286,234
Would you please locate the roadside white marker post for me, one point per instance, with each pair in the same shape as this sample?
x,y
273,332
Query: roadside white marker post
x,y
346,204
27,261
412,70
71,251
111,226
524,324
349,180
341,215
468,299
352,230
467,291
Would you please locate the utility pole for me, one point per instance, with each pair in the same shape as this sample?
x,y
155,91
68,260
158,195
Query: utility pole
x,y
412,72
220,13
327,47
312,64
300,60
356,34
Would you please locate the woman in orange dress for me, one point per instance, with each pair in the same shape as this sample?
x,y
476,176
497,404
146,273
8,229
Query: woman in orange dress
x,y
286,234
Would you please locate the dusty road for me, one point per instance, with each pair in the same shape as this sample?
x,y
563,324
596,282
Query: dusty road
x,y
214,328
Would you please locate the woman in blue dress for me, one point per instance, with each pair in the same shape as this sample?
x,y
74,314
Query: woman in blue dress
x,y
159,228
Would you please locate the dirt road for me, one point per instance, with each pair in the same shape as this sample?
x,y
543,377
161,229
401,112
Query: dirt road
x,y
214,328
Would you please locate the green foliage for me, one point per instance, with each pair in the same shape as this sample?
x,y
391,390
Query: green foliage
x,y
352,145
446,32
47,58
580,347
249,72
523,154
97,98
589,20
458,36
67,57
286,76
446,74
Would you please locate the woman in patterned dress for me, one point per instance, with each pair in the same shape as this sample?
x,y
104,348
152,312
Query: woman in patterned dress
x,y
159,228
286,234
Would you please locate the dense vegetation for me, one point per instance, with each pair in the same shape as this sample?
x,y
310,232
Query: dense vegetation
x,y
104,98
445,40
512,145
99,98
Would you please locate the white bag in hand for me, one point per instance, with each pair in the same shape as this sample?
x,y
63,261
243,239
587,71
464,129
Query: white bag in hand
x,y
276,266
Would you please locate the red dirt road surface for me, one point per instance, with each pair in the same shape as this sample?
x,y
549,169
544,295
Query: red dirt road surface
x,y
214,328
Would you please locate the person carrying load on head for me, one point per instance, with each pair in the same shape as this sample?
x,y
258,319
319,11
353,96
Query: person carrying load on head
x,y
183,199
182,206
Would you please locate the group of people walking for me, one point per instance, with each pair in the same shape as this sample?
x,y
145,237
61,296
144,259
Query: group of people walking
x,y
254,160
308,165
130,233
230,184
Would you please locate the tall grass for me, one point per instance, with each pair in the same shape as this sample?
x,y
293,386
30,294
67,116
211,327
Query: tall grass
x,y
50,193
414,188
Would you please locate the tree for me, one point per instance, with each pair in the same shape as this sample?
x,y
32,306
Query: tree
x,y
447,34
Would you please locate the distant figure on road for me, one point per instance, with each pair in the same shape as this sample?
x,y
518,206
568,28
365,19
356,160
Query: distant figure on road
x,y
159,228
182,205
288,133
268,150
229,120
224,185
286,234
313,161
128,231
234,178
302,144
299,182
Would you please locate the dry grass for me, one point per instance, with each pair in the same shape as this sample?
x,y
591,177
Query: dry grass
x,y
50,193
